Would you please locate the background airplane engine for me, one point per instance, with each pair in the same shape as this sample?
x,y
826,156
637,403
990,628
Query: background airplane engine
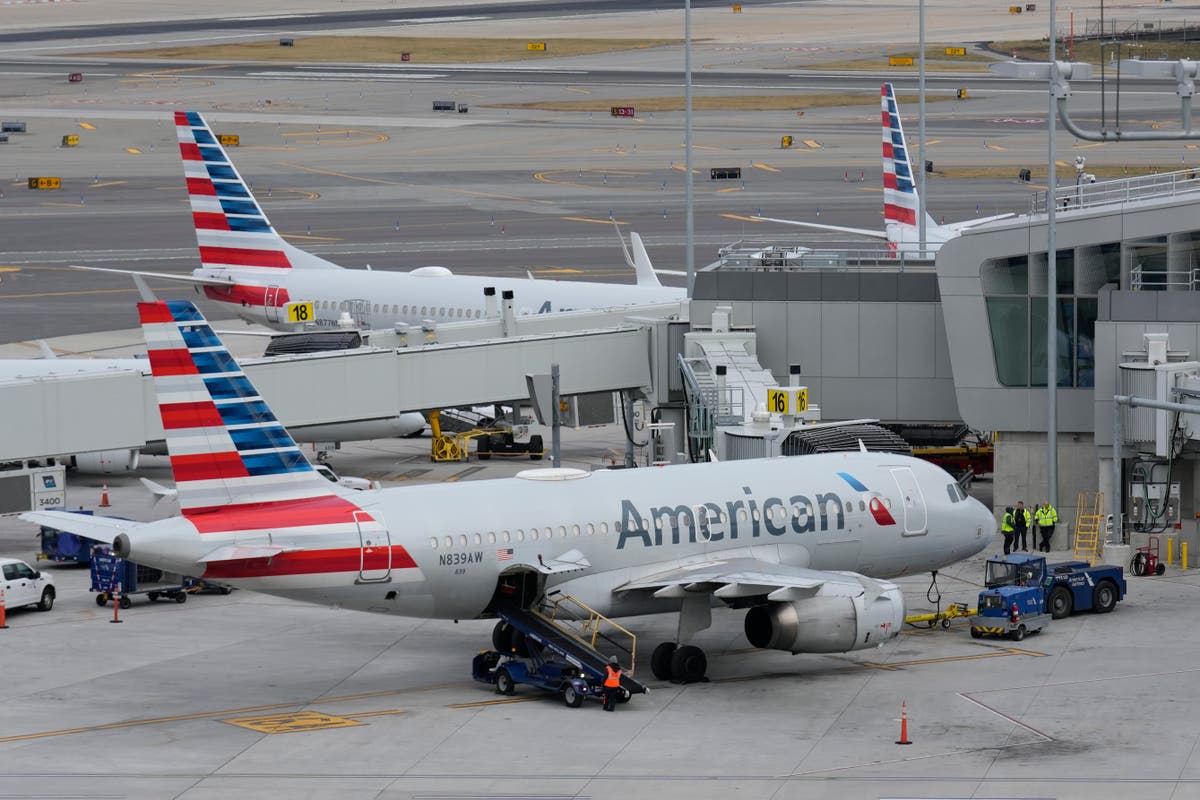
x,y
106,462
827,624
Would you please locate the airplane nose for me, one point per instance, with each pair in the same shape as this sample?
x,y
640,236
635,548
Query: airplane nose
x,y
984,524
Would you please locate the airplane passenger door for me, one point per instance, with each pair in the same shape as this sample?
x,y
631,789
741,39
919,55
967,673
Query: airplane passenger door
x,y
916,517
375,547
271,299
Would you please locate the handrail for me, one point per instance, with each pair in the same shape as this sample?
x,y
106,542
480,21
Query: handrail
x,y
590,620
1119,191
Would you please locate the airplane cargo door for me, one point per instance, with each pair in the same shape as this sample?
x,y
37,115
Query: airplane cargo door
x,y
271,299
916,517
375,564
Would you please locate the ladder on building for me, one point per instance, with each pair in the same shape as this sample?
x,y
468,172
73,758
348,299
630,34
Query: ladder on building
x,y
1088,519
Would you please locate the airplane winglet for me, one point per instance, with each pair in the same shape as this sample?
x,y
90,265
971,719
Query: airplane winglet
x,y
143,289
47,352
640,260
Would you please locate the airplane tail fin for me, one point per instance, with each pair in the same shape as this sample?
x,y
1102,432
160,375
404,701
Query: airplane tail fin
x,y
900,199
640,260
231,228
226,446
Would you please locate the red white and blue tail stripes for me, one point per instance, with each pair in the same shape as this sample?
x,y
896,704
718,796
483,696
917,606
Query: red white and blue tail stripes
x,y
226,446
231,228
899,193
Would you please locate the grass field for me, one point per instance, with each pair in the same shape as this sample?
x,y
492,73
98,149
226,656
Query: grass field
x,y
388,49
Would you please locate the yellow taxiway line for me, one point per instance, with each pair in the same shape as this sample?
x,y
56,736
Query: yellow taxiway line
x,y
87,126
590,219
766,167
740,218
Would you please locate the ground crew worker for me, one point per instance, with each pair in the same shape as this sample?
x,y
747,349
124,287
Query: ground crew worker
x,y
612,683
1047,517
1021,527
1006,527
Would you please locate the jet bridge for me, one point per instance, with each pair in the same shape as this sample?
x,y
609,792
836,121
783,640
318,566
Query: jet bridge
x,y
608,350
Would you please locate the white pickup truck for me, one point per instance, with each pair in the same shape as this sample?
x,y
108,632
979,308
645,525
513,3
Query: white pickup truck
x,y
26,586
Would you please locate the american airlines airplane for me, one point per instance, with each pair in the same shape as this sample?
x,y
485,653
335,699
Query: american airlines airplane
x,y
802,545
900,199
248,267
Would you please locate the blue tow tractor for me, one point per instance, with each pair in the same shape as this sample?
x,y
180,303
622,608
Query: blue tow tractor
x,y
1022,590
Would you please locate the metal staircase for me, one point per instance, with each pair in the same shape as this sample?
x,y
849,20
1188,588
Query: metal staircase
x,y
1088,519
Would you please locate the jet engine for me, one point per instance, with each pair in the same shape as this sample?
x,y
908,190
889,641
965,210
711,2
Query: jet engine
x,y
837,619
105,462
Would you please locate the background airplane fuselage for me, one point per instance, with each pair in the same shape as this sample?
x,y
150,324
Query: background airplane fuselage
x,y
445,546
260,295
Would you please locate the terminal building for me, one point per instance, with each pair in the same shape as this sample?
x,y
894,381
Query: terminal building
x,y
963,337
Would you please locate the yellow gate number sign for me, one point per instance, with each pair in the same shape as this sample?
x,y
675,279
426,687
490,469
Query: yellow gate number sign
x,y
536,46
300,312
900,61
956,51
229,139
787,401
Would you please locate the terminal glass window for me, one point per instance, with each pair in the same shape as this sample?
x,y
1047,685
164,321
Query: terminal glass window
x,y
1007,319
1066,341
1006,275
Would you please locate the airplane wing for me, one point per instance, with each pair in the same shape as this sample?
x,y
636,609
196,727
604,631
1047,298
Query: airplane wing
x,y
820,227
166,276
729,579
972,223
102,529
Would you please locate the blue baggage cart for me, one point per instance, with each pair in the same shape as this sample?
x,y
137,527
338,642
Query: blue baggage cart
x,y
111,574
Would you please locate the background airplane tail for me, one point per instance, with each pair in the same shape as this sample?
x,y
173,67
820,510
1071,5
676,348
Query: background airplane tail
x,y
226,446
900,203
231,228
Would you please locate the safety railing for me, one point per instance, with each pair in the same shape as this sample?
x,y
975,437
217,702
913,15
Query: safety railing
x,y
589,627
1163,280
1119,191
786,255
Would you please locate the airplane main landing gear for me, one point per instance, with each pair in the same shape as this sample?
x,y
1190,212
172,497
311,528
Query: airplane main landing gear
x,y
679,663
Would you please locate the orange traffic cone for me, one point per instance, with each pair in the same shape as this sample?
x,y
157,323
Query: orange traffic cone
x,y
104,497
903,723
3,614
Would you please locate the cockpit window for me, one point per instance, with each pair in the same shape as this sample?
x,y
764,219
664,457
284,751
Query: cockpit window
x,y
957,495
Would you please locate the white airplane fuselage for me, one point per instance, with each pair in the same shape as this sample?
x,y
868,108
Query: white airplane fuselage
x,y
439,550
260,295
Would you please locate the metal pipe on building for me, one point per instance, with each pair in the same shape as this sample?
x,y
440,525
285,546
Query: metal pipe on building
x,y
689,208
1119,434
490,309
921,125
1052,288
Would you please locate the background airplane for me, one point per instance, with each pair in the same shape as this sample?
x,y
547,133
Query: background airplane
x,y
802,545
246,265
900,199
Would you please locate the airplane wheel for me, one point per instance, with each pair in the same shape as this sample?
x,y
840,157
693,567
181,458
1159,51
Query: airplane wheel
x,y
502,637
660,661
688,664
520,646
504,682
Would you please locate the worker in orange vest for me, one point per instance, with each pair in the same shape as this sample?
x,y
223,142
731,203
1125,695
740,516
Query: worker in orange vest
x,y
612,683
